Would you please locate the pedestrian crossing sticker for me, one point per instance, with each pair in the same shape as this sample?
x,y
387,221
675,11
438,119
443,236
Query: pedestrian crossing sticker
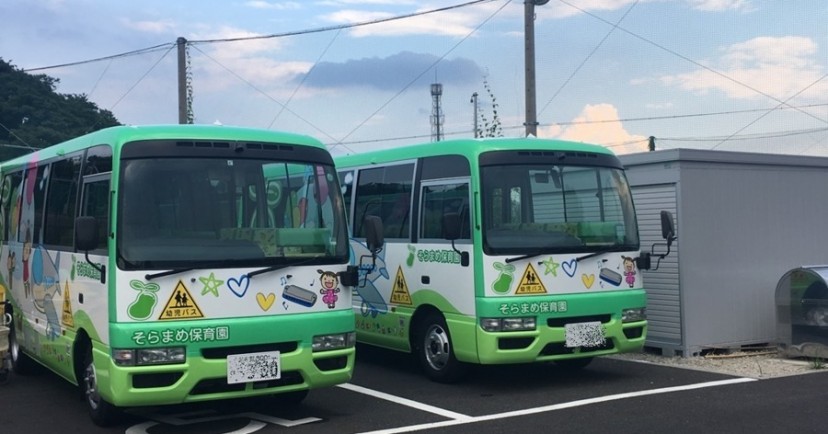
x,y
181,305
66,317
400,294
530,283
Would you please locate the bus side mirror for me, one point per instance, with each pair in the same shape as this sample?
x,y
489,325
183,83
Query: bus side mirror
x,y
451,232
373,233
668,231
86,239
349,277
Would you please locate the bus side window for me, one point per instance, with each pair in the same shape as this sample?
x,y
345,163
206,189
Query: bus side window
x,y
95,203
439,200
58,229
10,196
385,192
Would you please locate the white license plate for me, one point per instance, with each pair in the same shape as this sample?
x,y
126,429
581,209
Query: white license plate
x,y
246,368
584,334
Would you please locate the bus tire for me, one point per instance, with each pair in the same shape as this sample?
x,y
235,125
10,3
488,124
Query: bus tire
x,y
100,411
435,351
21,363
574,364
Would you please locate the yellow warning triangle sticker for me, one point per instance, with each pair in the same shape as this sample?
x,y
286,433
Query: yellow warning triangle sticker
x,y
181,305
400,294
530,283
66,317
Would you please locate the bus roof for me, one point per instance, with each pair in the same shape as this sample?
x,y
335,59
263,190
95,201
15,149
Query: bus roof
x,y
117,136
471,148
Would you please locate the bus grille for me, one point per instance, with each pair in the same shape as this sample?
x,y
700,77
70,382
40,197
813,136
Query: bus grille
x,y
223,352
219,385
560,322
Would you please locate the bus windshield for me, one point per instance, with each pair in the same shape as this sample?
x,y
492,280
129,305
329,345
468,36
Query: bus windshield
x,y
531,208
220,212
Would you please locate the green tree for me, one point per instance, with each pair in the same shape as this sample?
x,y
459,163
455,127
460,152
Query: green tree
x,y
486,128
33,115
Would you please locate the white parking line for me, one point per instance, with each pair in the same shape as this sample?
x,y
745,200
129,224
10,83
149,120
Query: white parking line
x,y
461,419
407,402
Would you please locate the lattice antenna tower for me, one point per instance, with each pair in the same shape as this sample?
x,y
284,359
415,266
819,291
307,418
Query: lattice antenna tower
x,y
437,116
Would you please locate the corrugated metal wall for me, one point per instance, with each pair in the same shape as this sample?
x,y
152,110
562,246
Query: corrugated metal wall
x,y
662,285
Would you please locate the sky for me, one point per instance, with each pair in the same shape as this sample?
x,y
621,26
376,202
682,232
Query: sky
x,y
731,75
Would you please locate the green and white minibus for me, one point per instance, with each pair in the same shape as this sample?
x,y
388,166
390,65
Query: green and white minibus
x,y
155,265
497,251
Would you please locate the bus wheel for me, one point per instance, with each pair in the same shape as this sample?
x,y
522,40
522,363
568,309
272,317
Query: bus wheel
x,y
21,363
435,352
574,364
101,412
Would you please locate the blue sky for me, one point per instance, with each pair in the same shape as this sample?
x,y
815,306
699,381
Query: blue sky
x,y
742,75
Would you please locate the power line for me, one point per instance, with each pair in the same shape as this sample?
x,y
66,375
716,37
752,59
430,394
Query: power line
x,y
305,77
770,111
589,56
142,77
99,59
254,87
342,26
699,64
440,59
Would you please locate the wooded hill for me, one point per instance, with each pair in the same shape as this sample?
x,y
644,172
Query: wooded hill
x,y
33,115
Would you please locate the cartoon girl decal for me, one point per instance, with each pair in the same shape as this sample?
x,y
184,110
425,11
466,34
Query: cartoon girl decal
x,y
629,270
330,288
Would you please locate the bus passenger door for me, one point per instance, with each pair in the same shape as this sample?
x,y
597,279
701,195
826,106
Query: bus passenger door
x,y
90,294
435,263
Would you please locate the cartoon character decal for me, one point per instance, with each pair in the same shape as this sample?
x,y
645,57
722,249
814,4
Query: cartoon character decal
x,y
629,270
372,301
330,287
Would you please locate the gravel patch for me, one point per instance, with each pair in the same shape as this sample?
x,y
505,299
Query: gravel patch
x,y
752,364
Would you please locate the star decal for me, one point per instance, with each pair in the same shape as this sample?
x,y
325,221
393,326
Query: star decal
x,y
211,284
550,266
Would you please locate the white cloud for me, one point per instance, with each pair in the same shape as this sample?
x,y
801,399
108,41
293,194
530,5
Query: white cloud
x,y
250,60
776,66
157,27
556,9
449,23
592,126
721,5
279,6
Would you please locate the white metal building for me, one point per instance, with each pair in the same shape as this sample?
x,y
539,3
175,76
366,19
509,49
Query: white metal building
x,y
743,220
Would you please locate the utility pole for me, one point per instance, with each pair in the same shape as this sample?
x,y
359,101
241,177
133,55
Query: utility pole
x,y
182,80
185,85
474,101
529,61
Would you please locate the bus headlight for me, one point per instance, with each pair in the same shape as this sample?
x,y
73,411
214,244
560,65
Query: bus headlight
x,y
334,342
633,315
149,356
520,324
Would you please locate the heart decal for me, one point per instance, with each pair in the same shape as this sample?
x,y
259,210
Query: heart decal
x,y
588,280
570,266
265,301
239,286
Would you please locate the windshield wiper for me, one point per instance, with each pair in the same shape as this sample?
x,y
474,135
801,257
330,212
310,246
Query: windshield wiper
x,y
601,252
168,273
281,266
526,256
